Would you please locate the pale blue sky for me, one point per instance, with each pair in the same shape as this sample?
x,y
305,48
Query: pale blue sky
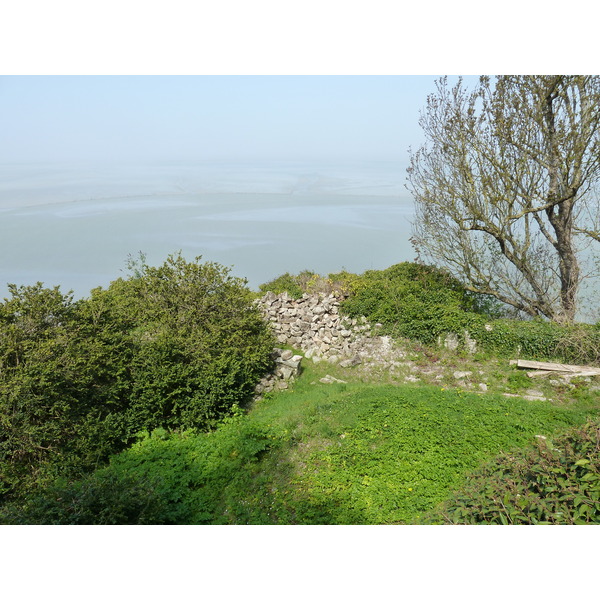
x,y
139,118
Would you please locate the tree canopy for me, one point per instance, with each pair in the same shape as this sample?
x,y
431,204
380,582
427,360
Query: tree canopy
x,y
506,188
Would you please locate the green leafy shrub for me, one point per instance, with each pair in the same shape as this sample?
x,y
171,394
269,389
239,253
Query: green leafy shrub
x,y
175,346
422,303
200,345
555,483
540,340
193,471
344,282
414,301
101,498
59,387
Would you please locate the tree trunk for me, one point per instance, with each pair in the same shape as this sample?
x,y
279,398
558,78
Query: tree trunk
x,y
560,214
562,222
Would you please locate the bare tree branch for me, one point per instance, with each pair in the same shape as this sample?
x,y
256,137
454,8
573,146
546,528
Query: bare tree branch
x,y
503,187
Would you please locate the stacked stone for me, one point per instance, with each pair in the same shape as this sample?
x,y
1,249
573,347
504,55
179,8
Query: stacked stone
x,y
287,368
313,324
452,341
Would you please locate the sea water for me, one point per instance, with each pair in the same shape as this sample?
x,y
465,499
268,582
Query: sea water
x,y
75,225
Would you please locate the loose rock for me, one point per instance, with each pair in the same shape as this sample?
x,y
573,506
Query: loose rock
x,y
330,379
462,374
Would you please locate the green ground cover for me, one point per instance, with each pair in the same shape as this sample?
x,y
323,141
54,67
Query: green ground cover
x,y
319,454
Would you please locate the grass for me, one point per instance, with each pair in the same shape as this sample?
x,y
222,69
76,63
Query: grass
x,y
352,453
373,450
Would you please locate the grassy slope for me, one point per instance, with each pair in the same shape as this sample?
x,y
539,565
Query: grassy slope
x,y
355,453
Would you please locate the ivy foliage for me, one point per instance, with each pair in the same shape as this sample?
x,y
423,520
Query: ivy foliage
x,y
414,301
174,346
552,483
537,339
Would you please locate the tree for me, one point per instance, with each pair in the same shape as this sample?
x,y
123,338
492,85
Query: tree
x,y
506,188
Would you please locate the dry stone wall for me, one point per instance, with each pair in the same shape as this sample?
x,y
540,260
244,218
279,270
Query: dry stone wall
x,y
314,325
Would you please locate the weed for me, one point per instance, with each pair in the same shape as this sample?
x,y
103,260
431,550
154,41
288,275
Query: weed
x,y
551,483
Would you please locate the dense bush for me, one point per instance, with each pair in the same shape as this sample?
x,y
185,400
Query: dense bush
x,y
421,302
540,340
550,484
291,284
414,301
200,345
100,498
175,346
60,387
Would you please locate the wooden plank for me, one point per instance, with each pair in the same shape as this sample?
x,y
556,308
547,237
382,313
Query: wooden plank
x,y
546,366
565,374
581,374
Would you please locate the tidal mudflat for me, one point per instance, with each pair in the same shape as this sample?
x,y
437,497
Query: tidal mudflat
x,y
76,227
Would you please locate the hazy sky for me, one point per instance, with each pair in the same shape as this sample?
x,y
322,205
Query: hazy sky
x,y
47,118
